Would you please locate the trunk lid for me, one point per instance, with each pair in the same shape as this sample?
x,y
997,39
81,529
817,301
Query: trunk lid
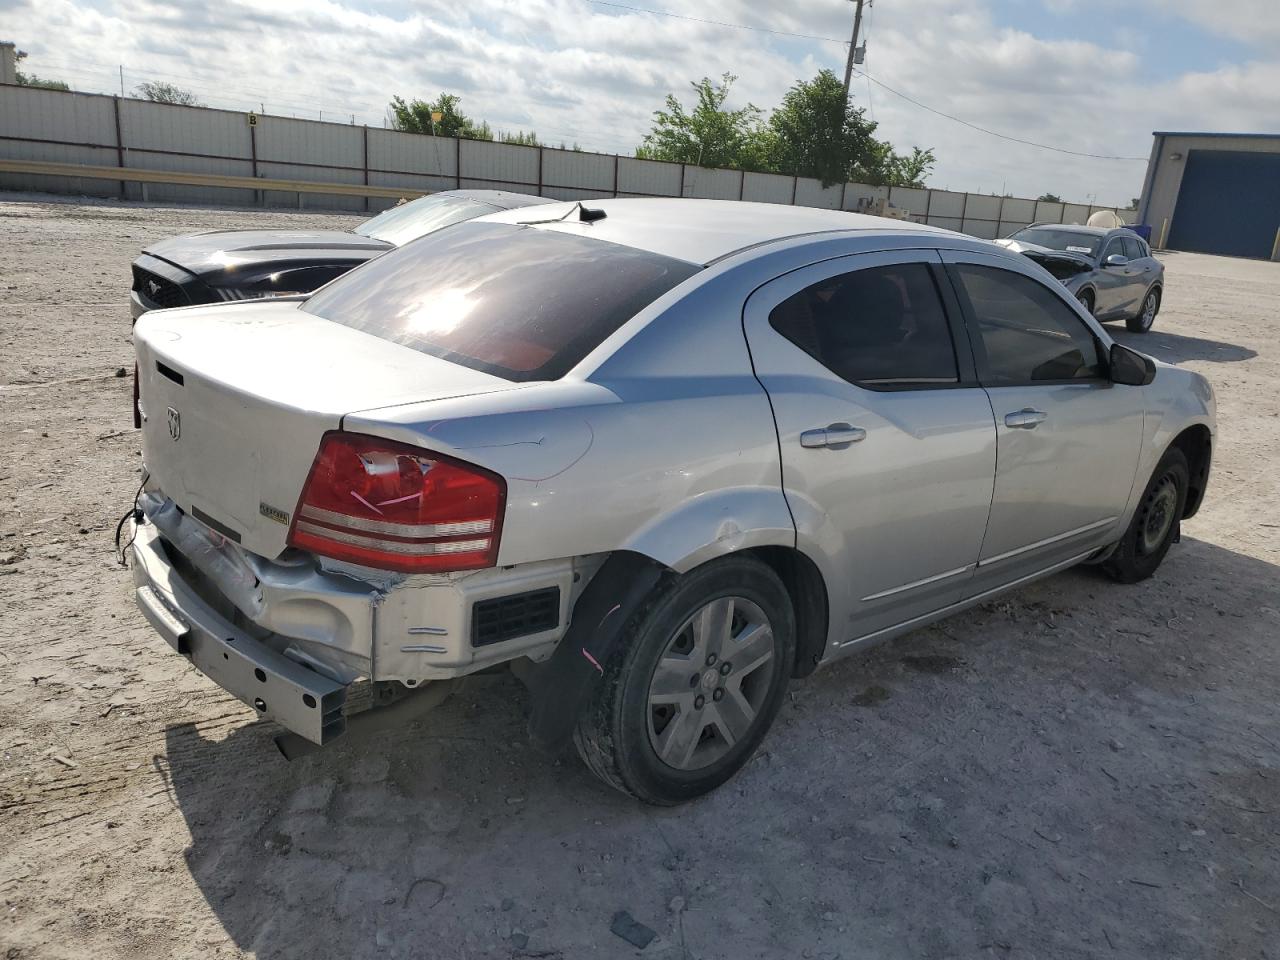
x,y
236,398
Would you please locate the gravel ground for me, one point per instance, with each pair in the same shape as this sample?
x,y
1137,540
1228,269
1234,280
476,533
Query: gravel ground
x,y
1079,769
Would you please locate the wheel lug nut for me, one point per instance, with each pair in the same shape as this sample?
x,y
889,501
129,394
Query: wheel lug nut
x,y
718,695
699,701
711,659
725,668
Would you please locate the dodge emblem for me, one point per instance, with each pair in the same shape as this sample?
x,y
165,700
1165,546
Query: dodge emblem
x,y
175,424
153,287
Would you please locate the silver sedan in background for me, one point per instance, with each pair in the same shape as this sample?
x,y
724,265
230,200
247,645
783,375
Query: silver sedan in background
x,y
660,457
1110,271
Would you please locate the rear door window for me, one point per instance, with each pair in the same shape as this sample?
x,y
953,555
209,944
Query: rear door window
x,y
1027,333
882,327
515,301
1132,248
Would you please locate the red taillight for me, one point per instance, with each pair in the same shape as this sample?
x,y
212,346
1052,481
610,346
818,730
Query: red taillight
x,y
396,507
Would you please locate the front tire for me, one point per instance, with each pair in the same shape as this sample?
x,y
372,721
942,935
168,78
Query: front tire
x,y
1146,313
1086,300
693,687
1154,523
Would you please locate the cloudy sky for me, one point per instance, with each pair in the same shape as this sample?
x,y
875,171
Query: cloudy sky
x,y
1088,76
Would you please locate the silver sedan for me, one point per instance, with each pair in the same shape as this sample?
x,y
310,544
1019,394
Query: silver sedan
x,y
660,457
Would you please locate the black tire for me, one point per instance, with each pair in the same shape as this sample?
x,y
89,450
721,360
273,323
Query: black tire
x,y
1146,315
615,735
1154,523
1086,300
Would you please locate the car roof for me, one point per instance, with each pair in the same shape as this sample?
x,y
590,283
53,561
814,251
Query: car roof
x,y
702,231
505,199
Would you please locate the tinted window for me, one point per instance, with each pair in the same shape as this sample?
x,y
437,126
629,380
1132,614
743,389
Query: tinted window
x,y
1027,332
417,218
518,302
880,327
1132,247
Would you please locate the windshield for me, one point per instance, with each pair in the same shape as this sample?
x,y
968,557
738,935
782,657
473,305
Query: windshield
x,y
514,301
414,219
1071,241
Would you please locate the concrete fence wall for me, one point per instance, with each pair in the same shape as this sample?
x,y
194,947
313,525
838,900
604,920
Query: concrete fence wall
x,y
50,125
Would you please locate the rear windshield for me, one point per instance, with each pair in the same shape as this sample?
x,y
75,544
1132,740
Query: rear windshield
x,y
408,221
514,301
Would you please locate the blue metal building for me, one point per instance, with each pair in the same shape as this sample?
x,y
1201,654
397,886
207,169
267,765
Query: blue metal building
x,y
1214,193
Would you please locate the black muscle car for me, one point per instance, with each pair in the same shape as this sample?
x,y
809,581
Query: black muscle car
x,y
245,264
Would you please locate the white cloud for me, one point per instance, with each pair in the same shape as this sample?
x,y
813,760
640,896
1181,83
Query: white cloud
x,y
594,74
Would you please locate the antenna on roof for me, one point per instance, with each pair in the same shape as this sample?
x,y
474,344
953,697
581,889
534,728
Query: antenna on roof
x,y
585,215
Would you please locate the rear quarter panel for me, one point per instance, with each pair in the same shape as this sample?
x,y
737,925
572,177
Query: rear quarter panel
x,y
666,447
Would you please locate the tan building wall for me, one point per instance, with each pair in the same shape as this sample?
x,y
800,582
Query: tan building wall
x,y
8,63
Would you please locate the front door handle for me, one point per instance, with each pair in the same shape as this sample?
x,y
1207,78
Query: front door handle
x,y
832,435
1025,419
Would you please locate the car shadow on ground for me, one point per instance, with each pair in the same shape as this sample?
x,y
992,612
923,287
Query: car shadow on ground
x,y
1172,348
1049,772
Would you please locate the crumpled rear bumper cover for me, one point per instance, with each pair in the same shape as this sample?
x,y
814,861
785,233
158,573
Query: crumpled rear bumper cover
x,y
300,699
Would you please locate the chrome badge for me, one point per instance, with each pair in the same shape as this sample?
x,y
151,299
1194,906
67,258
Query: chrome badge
x,y
273,513
175,424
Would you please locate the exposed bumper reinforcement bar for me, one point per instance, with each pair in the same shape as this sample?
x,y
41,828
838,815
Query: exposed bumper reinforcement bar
x,y
303,701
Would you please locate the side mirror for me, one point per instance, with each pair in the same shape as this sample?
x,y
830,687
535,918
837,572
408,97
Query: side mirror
x,y
1115,260
1131,368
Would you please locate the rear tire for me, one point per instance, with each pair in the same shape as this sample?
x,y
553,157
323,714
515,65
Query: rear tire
x,y
693,687
1154,523
1086,300
1146,313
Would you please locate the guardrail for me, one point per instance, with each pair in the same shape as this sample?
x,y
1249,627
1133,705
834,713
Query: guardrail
x,y
139,175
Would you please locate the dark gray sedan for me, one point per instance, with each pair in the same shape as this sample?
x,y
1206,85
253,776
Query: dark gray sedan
x,y
1111,272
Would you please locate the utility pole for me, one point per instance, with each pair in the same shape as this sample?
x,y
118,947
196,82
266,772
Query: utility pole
x,y
853,47
121,79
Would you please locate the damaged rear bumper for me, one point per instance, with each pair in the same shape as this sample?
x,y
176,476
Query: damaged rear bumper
x,y
299,699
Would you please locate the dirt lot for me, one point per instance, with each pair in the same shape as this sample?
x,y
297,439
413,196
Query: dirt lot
x,y
1078,770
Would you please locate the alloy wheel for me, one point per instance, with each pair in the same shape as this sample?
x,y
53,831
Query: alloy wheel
x,y
710,683
1149,311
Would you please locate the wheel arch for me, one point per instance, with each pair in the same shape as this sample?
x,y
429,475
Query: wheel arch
x,y
808,592
1196,444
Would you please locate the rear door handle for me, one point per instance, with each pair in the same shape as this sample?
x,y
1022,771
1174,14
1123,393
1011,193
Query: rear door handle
x,y
832,435
1025,419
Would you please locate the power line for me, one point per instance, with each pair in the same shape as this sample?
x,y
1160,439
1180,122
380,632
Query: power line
x,y
993,133
717,23
871,79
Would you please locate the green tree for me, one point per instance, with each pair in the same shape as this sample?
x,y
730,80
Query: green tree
x,y
707,135
817,132
910,170
1049,198
160,92
521,138
31,80
814,132
415,117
